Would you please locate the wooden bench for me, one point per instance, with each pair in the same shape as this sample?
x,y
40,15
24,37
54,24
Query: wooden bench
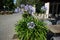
x,y
54,28
54,31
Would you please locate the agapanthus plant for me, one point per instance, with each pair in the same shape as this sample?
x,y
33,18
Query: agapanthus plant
x,y
31,29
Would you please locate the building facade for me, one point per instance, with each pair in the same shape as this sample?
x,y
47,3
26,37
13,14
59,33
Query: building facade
x,y
54,7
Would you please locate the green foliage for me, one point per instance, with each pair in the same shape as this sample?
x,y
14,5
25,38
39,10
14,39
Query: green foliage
x,y
25,15
25,33
39,4
18,2
31,2
42,11
9,5
1,5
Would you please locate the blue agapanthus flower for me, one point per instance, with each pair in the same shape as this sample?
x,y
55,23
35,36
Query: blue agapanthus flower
x,y
43,8
31,25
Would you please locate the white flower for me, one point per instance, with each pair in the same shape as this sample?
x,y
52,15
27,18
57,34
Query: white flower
x,y
31,25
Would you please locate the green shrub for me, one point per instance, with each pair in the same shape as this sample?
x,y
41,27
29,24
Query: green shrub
x,y
37,31
25,15
39,4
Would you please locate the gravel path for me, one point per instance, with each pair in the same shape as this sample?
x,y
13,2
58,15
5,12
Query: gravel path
x,y
7,23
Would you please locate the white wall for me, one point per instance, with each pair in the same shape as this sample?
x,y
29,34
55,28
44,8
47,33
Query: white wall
x,y
47,11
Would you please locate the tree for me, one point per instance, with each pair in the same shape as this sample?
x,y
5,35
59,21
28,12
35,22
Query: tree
x,y
9,5
18,2
38,4
1,5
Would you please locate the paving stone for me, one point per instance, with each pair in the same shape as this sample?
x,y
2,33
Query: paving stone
x,y
7,26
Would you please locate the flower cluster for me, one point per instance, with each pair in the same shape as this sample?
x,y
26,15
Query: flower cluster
x,y
31,25
43,8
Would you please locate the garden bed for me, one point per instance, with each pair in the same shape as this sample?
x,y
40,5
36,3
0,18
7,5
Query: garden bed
x,y
6,12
